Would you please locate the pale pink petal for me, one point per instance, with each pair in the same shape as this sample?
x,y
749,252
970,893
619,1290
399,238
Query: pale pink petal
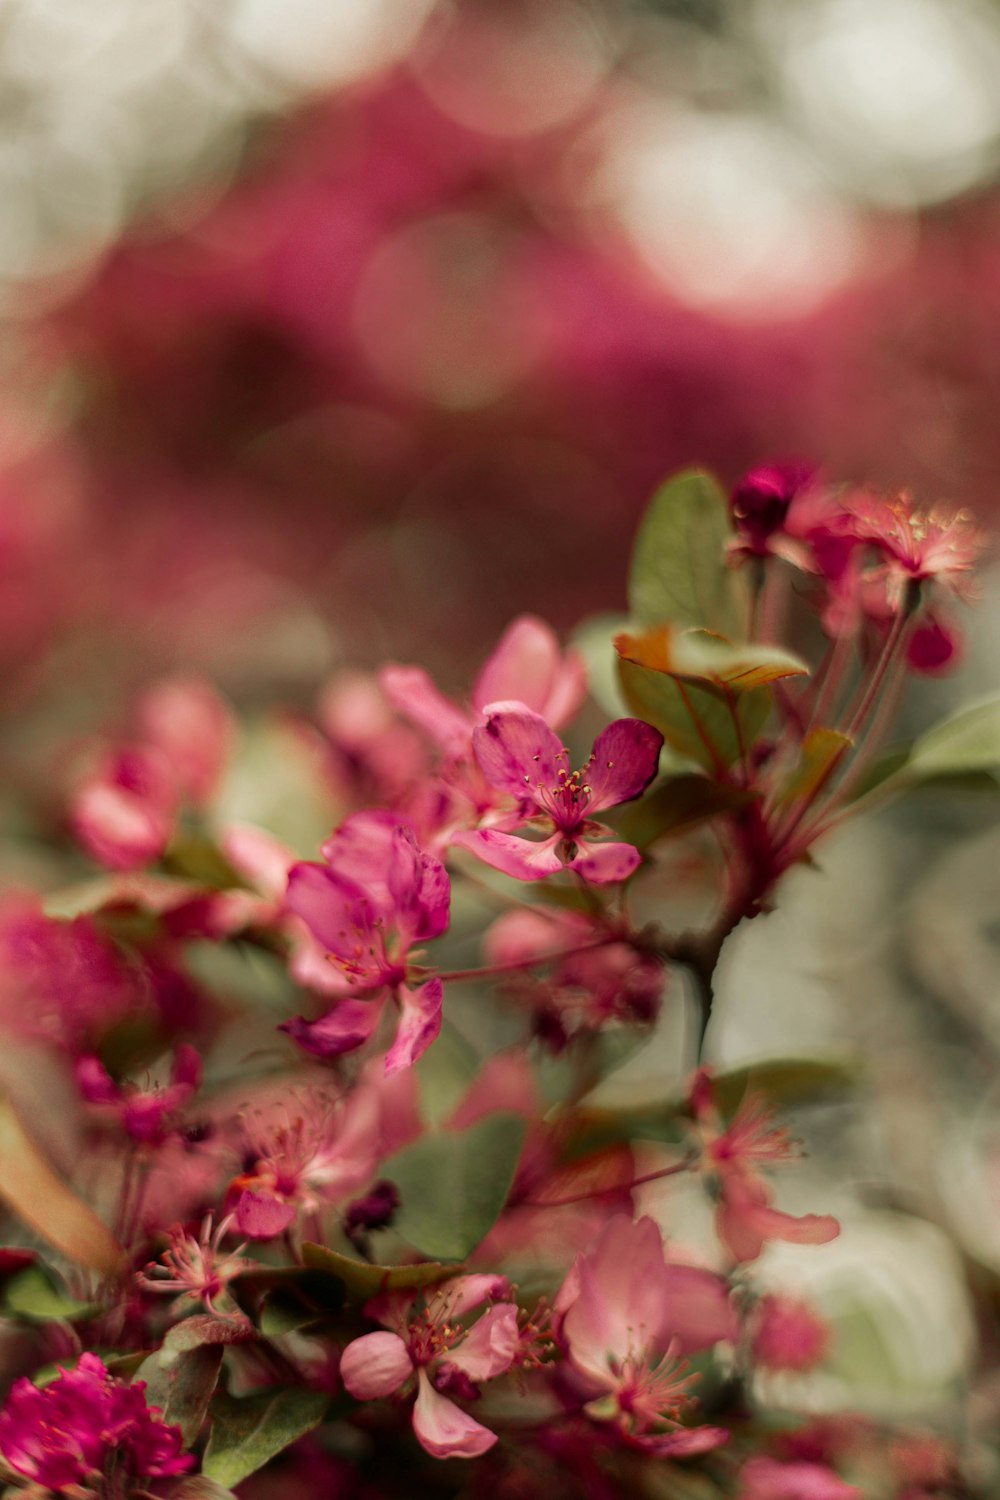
x,y
262,860
506,1081
348,1025
419,1024
606,863
686,1443
768,1479
262,1215
521,858
489,1348
443,1429
119,829
697,1309
311,965
375,1365
745,1220
528,667
518,752
625,758
521,936
621,1293
186,720
464,1293
413,694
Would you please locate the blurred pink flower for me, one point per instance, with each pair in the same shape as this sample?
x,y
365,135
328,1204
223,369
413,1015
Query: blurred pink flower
x,y
768,1479
149,1114
788,1334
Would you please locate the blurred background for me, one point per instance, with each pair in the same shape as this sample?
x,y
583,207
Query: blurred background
x,y
333,329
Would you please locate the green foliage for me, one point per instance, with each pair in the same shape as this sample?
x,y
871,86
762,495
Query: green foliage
x,y
676,805
697,720
678,571
247,1433
968,741
34,1295
362,1279
181,1376
453,1186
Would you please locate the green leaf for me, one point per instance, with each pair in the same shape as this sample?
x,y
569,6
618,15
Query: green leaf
x,y
246,1434
968,741
676,805
363,1279
453,1186
182,1374
594,639
786,1080
704,657
33,1295
678,571
695,719
200,1487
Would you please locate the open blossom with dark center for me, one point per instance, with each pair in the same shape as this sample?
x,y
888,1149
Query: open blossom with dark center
x,y
426,1342
627,1319
377,896
88,1429
147,1114
733,1155
316,1153
520,756
197,1270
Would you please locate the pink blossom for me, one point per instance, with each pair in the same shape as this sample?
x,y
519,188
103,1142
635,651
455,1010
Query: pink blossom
x,y
80,1425
197,1270
585,991
733,1155
64,981
769,1479
317,1153
788,1335
428,1340
526,667
626,1318
192,728
378,894
124,813
147,1114
520,756
760,506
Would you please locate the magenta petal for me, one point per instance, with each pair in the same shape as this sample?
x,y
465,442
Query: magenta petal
x,y
361,851
375,1365
517,751
413,694
686,1442
514,856
603,864
443,1429
348,1025
419,1024
419,889
334,909
489,1348
697,1311
95,1082
625,758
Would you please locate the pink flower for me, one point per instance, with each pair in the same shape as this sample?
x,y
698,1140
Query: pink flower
x,y
147,1115
526,667
81,1425
768,1479
377,896
197,1270
626,1317
429,1341
124,813
61,980
788,1334
916,546
760,506
306,1160
733,1155
192,728
584,991
520,756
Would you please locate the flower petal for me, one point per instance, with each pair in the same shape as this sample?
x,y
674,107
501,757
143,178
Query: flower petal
x,y
489,1348
337,912
625,758
521,858
348,1025
420,1022
443,1429
603,864
262,1215
413,694
375,1365
528,667
517,751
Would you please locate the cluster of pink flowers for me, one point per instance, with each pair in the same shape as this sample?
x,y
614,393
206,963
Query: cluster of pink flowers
x,y
354,1191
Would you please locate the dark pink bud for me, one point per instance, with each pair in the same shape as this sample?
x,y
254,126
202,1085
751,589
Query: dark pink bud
x,y
761,499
